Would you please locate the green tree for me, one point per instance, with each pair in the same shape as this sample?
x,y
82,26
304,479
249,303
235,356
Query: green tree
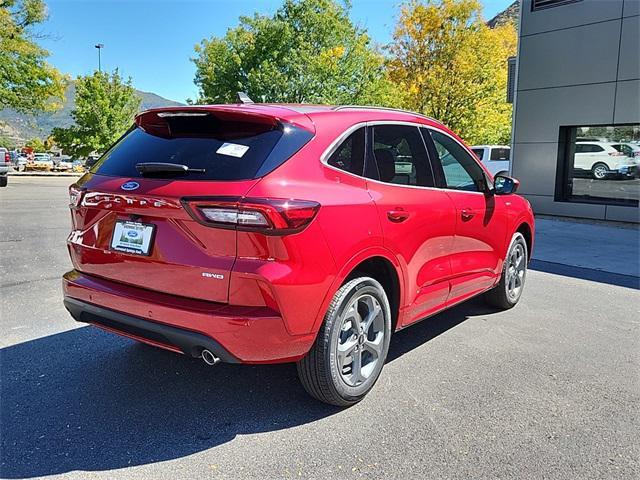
x,y
450,65
27,82
308,52
105,108
37,145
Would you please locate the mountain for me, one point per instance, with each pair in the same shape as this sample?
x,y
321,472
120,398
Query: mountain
x,y
510,14
21,127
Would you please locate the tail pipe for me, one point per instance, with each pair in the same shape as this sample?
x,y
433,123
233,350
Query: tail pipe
x,y
209,358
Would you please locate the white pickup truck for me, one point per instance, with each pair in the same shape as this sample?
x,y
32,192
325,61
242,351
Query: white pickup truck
x,y
497,158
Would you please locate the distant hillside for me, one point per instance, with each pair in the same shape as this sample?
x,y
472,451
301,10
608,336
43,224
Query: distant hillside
x,y
510,14
21,127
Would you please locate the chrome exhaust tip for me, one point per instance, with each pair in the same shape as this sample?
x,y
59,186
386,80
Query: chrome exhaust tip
x,y
209,358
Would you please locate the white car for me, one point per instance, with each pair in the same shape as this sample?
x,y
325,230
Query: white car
x,y
42,161
603,160
629,149
497,158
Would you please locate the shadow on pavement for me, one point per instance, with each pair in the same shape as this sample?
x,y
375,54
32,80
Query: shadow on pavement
x,y
590,274
91,401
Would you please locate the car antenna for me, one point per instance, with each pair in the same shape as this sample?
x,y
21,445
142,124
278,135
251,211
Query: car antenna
x,y
244,98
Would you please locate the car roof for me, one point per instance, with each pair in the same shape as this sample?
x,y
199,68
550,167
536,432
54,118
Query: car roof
x,y
305,114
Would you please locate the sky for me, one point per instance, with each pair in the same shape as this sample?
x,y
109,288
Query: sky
x,y
152,40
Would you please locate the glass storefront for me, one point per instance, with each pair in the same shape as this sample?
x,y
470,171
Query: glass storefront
x,y
601,164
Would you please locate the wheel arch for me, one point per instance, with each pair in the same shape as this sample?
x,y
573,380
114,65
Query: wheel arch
x,y
527,232
379,264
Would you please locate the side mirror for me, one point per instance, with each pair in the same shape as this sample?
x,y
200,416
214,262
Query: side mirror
x,y
503,185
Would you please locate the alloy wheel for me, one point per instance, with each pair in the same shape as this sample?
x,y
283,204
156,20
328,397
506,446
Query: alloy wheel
x,y
360,340
515,273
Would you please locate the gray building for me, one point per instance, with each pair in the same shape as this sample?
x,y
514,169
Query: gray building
x,y
576,122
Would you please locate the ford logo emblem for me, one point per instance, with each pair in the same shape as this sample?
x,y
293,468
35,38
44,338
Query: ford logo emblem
x,y
132,234
129,186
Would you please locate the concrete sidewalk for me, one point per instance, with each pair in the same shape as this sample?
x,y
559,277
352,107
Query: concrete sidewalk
x,y
602,246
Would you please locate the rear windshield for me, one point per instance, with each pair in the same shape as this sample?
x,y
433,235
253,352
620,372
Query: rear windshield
x,y
222,149
500,153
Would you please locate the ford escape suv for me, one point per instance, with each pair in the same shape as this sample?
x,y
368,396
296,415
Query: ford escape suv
x,y
257,233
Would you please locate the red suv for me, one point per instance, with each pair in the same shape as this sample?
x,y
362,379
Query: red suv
x,y
290,233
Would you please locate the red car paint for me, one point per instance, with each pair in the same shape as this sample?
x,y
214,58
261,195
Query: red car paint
x,y
262,296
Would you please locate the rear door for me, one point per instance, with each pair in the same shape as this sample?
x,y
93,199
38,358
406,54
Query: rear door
x,y
480,218
418,221
151,230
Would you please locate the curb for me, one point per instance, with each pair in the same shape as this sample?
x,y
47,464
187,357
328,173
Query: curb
x,y
44,174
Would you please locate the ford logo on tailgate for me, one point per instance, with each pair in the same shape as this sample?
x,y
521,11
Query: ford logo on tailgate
x,y
129,186
132,234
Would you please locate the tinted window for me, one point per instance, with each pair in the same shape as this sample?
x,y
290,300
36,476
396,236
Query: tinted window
x,y
479,152
349,156
401,156
225,150
593,176
588,148
461,171
500,154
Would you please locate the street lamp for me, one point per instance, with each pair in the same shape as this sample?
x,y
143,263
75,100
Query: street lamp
x,y
99,46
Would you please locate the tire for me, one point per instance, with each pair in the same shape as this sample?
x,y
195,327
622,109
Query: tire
x,y
506,294
3,181
332,378
599,171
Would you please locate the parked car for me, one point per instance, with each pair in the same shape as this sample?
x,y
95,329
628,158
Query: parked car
x,y
497,158
41,161
5,165
629,149
603,160
20,163
284,233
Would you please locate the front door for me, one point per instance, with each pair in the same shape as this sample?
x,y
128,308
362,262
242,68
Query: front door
x,y
418,220
481,223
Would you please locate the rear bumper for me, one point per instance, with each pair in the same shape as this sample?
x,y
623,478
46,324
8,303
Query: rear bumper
x,y
233,333
165,336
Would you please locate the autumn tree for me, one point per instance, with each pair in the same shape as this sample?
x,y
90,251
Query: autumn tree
x,y
308,51
450,65
105,107
36,144
27,82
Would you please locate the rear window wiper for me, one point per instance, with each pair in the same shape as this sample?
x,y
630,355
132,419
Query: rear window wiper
x,y
166,168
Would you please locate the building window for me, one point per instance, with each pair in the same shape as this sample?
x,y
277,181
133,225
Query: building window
x,y
600,164
542,4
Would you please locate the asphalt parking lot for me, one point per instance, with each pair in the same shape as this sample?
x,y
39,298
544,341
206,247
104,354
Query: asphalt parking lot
x,y
550,389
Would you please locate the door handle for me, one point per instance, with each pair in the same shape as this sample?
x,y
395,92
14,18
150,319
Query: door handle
x,y
397,216
467,214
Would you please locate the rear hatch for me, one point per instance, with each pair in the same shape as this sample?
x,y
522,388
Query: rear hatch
x,y
135,215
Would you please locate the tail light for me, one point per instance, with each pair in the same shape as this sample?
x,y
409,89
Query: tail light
x,y
7,157
75,196
272,216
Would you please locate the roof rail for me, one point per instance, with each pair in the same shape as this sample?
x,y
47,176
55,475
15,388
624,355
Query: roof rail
x,y
389,109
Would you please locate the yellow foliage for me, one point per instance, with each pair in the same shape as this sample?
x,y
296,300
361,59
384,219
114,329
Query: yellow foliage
x,y
453,67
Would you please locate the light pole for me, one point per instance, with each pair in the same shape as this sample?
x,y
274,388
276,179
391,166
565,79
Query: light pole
x,y
99,46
